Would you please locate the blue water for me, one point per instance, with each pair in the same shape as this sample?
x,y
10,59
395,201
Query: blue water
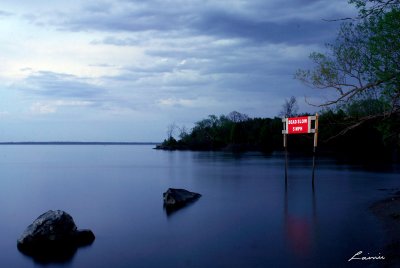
x,y
245,217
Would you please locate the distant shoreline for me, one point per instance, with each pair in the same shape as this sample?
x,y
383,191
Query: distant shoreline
x,y
76,143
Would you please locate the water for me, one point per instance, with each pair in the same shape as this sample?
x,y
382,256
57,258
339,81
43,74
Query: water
x,y
245,217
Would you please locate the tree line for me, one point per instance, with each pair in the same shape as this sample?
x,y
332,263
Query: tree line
x,y
238,132
235,131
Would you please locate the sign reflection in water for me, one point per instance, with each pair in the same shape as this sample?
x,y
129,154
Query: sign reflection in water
x,y
299,227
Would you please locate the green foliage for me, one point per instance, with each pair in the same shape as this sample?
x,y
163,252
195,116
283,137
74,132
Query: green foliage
x,y
364,107
235,130
365,142
363,67
170,142
210,133
364,61
368,8
342,130
384,45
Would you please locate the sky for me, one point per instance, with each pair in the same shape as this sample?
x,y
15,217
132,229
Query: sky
x,y
123,70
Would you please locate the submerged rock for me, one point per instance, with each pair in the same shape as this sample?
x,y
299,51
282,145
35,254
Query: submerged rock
x,y
174,198
53,236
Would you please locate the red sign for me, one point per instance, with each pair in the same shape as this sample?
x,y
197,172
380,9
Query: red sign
x,y
297,125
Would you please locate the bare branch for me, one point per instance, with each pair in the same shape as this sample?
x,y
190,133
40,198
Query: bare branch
x,y
353,92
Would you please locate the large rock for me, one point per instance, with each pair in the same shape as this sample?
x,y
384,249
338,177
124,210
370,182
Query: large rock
x,y
53,235
175,198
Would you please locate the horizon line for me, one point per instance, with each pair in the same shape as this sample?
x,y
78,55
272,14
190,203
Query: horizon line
x,y
77,143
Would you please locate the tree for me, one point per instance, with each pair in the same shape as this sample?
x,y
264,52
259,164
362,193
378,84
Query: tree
x,y
237,117
374,7
183,132
289,108
171,128
363,64
363,67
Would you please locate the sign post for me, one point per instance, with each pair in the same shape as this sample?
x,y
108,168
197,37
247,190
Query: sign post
x,y
284,131
300,125
315,147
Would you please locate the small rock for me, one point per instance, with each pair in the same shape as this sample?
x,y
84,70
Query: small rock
x,y
179,197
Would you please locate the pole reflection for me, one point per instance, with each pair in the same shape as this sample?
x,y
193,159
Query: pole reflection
x,y
300,227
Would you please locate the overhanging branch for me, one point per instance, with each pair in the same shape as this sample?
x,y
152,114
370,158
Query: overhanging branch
x,y
351,93
361,121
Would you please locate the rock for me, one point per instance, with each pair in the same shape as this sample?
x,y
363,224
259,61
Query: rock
x,y
178,197
53,234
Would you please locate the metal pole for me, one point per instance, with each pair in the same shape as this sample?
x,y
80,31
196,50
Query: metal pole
x,y
284,132
313,168
286,160
315,147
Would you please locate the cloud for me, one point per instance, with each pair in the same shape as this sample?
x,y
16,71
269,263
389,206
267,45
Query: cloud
x,y
4,114
5,13
186,102
79,103
49,92
111,40
56,85
176,102
239,45
257,20
98,7
223,24
41,108
50,107
159,61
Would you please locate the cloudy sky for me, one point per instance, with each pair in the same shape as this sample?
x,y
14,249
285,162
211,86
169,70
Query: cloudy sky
x,y
122,70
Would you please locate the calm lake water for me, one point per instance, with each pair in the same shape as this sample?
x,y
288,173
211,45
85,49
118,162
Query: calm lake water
x,y
245,217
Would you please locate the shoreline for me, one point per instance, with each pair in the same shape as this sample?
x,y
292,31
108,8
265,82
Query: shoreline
x,y
387,212
76,143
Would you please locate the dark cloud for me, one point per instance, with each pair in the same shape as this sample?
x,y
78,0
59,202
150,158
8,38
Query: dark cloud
x,y
241,58
56,85
121,20
110,40
225,25
5,13
116,94
98,8
259,21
